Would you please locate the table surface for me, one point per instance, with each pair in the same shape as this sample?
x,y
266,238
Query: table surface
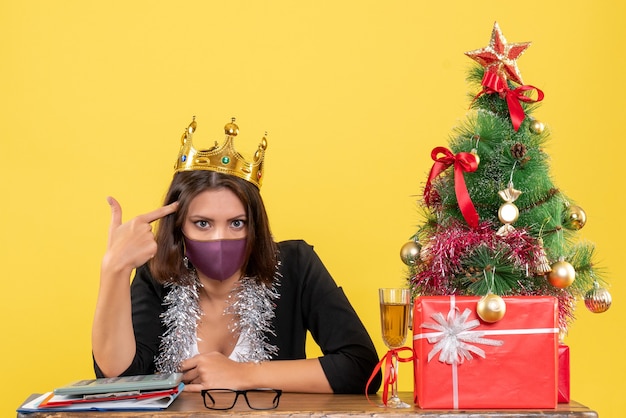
x,y
300,405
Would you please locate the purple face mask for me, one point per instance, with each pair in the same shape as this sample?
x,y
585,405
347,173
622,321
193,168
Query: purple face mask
x,y
218,259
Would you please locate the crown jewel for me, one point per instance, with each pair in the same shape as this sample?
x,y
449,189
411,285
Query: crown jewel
x,y
222,158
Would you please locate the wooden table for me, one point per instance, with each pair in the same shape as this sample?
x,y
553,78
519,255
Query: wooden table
x,y
300,405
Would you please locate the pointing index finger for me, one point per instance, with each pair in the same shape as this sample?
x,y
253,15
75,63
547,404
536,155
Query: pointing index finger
x,y
159,213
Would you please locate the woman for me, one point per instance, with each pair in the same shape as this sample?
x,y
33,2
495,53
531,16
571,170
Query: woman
x,y
216,298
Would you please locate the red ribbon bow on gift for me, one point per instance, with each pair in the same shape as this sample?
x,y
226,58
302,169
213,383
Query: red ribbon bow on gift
x,y
463,162
389,375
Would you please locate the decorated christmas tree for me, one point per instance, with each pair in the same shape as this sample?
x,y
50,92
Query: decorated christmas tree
x,y
495,223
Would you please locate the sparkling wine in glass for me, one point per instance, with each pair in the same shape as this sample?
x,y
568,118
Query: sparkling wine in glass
x,y
394,321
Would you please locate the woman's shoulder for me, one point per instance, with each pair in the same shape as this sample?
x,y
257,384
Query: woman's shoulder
x,y
298,257
294,249
293,245
144,280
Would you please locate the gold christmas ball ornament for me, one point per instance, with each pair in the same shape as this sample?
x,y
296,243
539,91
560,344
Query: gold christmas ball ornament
x,y
536,127
562,274
508,213
410,252
598,299
491,308
576,218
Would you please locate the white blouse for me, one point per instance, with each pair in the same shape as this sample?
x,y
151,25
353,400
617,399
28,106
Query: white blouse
x,y
238,354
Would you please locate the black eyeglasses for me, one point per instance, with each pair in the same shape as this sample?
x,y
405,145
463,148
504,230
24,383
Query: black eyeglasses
x,y
222,399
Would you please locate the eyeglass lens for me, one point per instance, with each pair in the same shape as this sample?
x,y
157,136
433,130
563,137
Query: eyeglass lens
x,y
255,398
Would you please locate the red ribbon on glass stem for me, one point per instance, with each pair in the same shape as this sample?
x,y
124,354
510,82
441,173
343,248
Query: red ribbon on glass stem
x,y
463,162
390,375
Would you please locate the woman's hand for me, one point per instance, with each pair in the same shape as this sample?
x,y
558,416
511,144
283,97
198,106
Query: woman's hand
x,y
132,243
129,246
214,370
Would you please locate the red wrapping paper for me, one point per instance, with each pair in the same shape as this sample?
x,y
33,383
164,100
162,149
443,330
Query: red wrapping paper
x,y
564,380
519,373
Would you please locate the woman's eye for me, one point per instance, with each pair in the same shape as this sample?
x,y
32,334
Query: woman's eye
x,y
238,223
202,224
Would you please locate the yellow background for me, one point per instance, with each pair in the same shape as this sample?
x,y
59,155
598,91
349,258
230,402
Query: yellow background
x,y
354,95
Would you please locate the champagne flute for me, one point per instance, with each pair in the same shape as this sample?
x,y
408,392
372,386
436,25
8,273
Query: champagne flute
x,y
394,321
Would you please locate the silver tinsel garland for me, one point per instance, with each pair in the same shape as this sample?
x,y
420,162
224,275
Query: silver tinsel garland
x,y
250,302
180,320
253,308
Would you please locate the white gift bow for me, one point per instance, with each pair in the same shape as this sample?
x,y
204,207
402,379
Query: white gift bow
x,y
455,338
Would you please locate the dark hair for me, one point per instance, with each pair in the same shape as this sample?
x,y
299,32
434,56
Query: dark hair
x,y
261,252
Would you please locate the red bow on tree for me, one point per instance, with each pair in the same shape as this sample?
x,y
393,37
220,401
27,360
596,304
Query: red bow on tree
x,y
463,162
513,99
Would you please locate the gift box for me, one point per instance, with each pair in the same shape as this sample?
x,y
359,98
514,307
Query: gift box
x,y
563,374
462,362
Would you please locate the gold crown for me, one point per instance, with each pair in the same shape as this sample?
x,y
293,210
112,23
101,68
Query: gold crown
x,y
221,158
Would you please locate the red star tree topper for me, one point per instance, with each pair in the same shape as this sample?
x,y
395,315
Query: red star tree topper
x,y
499,60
